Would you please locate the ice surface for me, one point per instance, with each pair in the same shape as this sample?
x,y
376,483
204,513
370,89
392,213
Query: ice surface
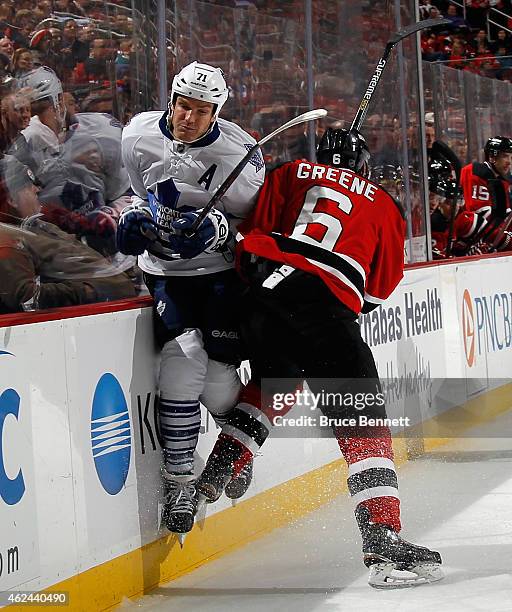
x,y
457,500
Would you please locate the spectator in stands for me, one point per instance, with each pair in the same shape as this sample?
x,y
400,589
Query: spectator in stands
x,y
56,39
40,46
24,22
41,266
87,33
45,6
476,13
123,24
7,47
95,66
15,117
480,43
430,130
505,60
6,18
424,8
69,6
7,82
73,49
431,48
458,56
123,58
23,62
458,22
502,40
435,13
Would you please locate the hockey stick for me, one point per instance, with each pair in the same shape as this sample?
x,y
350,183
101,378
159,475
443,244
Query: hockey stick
x,y
233,175
381,64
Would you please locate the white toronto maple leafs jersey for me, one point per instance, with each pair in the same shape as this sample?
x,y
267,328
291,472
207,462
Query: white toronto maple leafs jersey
x,y
184,177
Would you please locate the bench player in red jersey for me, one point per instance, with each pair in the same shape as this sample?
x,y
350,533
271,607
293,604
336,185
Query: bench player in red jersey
x,y
486,185
323,244
486,189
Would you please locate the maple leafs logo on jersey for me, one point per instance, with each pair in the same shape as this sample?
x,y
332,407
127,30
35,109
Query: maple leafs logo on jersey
x,y
257,159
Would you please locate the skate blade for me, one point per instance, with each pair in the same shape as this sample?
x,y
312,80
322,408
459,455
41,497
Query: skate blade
x,y
386,576
181,538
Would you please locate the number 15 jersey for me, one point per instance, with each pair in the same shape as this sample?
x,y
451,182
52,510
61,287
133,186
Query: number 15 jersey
x,y
333,223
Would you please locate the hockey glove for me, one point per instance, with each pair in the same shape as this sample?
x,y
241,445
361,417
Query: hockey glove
x,y
136,230
209,237
100,231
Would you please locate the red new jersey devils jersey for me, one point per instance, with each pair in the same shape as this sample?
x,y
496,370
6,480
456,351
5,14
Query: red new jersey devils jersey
x,y
466,225
478,195
332,223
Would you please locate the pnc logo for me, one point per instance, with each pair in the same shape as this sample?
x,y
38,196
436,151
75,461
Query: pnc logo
x,y
468,328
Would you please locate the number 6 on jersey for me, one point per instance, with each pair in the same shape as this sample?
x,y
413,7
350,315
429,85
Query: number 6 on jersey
x,y
317,226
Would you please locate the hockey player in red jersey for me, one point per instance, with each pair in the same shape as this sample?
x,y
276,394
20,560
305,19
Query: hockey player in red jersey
x,y
454,230
485,185
483,223
323,244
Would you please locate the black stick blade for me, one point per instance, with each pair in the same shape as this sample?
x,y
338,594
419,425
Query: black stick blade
x,y
416,27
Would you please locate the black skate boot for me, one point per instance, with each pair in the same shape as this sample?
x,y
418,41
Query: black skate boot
x,y
180,504
238,485
219,469
386,553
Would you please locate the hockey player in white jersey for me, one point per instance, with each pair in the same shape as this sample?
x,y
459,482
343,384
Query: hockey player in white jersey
x,y
48,113
90,158
175,161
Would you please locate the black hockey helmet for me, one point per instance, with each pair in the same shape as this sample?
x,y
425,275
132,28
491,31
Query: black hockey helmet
x,y
387,173
497,144
344,149
441,180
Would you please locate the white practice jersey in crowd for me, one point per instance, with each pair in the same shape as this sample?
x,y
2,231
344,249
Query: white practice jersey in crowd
x,y
185,177
89,156
43,142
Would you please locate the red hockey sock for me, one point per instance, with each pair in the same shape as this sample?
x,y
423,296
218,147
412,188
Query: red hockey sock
x,y
372,477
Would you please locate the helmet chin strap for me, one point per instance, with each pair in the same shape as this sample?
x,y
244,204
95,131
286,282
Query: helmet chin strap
x,y
189,142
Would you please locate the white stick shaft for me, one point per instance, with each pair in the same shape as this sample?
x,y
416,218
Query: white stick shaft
x,y
308,116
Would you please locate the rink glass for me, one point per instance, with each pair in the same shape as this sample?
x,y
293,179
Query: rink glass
x,y
279,59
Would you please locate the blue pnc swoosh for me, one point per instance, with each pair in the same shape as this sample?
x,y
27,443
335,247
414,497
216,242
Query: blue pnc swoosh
x,y
6,353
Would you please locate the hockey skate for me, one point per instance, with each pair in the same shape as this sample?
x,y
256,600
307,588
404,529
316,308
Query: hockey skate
x,y
219,470
238,485
396,563
180,504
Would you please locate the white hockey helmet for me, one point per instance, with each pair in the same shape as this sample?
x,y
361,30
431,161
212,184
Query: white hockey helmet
x,y
43,82
201,82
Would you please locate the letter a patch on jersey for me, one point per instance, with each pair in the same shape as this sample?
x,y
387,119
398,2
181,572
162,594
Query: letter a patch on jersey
x,y
208,177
